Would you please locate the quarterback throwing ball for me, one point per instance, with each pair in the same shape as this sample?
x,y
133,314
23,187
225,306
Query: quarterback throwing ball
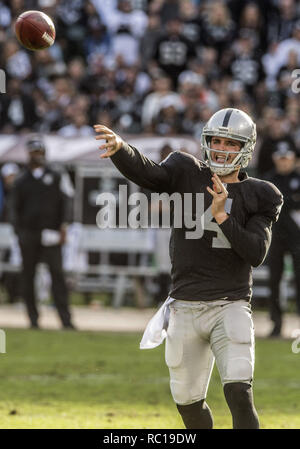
x,y
209,302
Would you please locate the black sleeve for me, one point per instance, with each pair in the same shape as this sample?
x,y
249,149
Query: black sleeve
x,y
252,242
144,172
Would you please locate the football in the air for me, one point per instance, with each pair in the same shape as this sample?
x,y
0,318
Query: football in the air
x,y
35,30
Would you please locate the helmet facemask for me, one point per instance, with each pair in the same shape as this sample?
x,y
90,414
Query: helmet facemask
x,y
224,168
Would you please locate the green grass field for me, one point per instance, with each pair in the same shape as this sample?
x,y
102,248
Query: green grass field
x,y
89,380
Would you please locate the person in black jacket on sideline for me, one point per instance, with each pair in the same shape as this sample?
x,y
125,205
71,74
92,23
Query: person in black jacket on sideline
x,y
40,211
286,232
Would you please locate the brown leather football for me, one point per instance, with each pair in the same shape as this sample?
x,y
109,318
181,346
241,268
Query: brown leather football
x,y
35,30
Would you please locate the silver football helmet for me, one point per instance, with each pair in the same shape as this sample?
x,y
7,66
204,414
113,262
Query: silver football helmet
x,y
233,124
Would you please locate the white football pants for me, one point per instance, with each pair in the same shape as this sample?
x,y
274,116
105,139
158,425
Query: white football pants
x,y
201,332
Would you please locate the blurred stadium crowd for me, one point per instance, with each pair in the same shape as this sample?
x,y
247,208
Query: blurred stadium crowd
x,y
153,66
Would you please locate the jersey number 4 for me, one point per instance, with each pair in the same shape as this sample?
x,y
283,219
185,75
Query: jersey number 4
x,y
218,241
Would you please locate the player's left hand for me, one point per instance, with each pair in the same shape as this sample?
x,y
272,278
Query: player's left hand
x,y
219,194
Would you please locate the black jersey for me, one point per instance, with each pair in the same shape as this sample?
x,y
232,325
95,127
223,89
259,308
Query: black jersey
x,y
40,203
218,265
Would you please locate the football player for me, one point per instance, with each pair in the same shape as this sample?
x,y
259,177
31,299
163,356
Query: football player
x,y
210,313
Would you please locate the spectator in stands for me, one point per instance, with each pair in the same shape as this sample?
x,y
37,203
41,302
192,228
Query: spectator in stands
x,y
279,55
218,29
191,23
17,110
245,65
64,91
129,108
17,62
168,120
39,213
193,90
76,116
253,21
284,81
51,115
293,116
97,40
204,115
237,93
127,27
190,120
5,20
76,70
78,127
71,26
81,103
189,86
105,118
17,7
167,9
206,64
162,88
286,232
173,51
147,43
105,8
48,64
281,21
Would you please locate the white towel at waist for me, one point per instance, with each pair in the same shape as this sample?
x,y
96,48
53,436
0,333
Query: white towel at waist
x,y
156,329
